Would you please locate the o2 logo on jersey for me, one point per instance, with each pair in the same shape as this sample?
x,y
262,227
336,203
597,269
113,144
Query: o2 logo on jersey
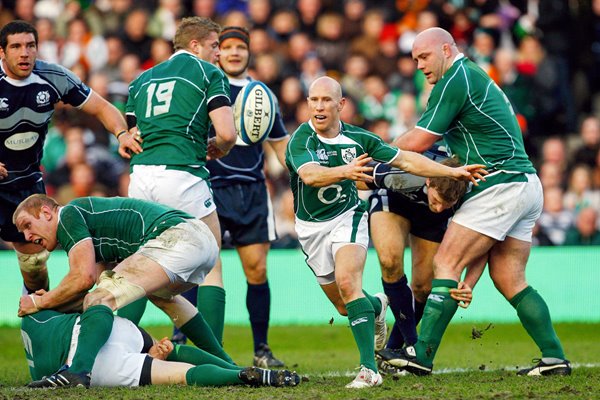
x,y
43,98
331,194
348,154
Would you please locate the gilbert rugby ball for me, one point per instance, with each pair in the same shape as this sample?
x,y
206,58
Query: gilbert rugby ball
x,y
254,113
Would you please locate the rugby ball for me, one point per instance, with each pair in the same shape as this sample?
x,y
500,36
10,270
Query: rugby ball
x,y
254,113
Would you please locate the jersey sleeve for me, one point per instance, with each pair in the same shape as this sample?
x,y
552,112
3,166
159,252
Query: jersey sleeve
x,y
447,99
218,91
301,150
73,90
380,150
72,228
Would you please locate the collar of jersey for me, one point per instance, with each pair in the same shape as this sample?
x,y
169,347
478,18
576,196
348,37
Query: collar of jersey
x,y
324,139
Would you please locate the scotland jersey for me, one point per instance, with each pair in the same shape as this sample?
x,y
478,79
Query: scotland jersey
x,y
26,108
244,163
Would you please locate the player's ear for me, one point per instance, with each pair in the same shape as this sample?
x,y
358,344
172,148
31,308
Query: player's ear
x,y
427,181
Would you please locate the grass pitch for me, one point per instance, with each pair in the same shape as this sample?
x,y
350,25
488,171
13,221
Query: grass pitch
x,y
475,361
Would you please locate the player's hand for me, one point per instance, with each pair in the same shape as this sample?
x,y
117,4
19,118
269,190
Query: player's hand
x,y
161,349
130,142
213,151
358,170
472,172
27,305
3,171
463,294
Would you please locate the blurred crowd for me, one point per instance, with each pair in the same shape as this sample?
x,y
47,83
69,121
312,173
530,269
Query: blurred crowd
x,y
544,54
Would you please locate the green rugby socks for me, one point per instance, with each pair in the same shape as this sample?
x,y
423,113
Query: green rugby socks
x,y
195,356
211,375
535,317
198,331
362,323
134,311
211,304
439,310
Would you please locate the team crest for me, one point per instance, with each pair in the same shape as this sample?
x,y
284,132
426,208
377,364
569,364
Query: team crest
x,y
349,154
43,98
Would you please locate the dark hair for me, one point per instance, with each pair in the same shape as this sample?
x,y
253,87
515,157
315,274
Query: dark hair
x,y
14,27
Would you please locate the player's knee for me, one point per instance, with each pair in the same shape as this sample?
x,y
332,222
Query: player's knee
x,y
256,274
99,297
421,291
33,263
391,271
114,291
341,309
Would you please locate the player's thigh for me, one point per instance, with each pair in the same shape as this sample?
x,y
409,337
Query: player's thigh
x,y
507,261
177,189
422,253
389,233
185,253
460,247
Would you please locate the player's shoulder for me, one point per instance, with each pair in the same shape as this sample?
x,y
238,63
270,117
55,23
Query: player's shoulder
x,y
55,74
357,133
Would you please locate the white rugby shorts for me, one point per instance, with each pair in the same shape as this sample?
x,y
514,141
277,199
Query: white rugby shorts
x,y
187,251
321,240
119,362
506,209
177,189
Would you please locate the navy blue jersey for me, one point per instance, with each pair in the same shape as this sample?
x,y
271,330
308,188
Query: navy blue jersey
x,y
244,163
26,107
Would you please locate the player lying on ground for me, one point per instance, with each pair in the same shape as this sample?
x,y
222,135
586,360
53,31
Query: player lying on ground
x,y
131,357
160,252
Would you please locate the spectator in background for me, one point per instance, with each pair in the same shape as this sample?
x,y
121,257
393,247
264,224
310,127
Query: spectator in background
x,y
596,172
291,95
589,134
204,8
555,219
300,46
482,49
554,150
113,18
134,34
368,42
580,193
160,51
82,47
259,12
354,12
356,70
389,52
82,182
47,44
309,11
406,116
329,44
262,42
405,78
585,232
163,22
551,175
378,101
311,68
284,24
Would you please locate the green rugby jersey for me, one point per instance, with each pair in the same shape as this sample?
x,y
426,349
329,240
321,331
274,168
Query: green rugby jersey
x,y
170,102
317,204
45,356
118,226
476,120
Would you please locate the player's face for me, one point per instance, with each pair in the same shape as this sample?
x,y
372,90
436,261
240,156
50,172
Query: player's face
x,y
430,60
18,58
436,203
208,49
234,57
325,107
37,230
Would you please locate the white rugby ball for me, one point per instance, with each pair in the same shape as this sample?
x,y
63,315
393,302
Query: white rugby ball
x,y
254,113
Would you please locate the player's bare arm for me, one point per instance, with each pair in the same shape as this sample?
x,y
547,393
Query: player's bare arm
x,y
222,120
318,176
81,277
418,164
279,147
417,140
3,171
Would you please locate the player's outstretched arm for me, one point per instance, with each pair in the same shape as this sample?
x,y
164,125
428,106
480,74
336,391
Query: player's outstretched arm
x,y
81,277
420,165
319,176
3,171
